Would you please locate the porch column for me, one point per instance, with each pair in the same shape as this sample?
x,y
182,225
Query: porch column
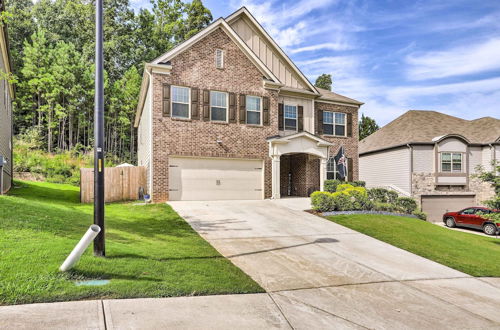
x,y
322,173
275,177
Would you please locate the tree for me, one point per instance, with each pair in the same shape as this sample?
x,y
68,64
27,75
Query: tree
x,y
324,81
367,126
492,177
198,17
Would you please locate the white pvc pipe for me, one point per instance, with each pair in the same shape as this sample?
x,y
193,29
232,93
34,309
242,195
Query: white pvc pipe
x,y
77,252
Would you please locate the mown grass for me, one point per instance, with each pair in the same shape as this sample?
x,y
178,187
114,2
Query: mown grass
x,y
472,254
151,251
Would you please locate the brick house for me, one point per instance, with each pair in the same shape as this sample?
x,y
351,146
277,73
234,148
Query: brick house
x,y
6,96
227,115
432,157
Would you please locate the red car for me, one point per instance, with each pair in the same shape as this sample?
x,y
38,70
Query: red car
x,y
471,218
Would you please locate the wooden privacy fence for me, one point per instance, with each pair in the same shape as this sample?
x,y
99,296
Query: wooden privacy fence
x,y
120,183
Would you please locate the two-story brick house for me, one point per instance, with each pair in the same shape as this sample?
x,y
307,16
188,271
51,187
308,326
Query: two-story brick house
x,y
432,157
227,115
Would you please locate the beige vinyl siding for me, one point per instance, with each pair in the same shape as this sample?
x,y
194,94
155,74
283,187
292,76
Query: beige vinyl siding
x,y
386,168
5,128
452,144
268,55
487,157
308,110
475,158
423,159
144,139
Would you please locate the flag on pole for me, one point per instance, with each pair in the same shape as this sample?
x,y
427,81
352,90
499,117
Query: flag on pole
x,y
341,162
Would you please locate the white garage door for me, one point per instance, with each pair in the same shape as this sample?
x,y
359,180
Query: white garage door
x,y
436,206
192,179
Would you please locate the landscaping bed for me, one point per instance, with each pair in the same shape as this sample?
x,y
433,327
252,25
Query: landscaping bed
x,y
472,254
151,251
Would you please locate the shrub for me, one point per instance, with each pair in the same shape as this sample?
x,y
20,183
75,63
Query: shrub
x,y
322,201
331,185
342,201
358,183
407,204
385,207
382,195
344,186
360,200
421,215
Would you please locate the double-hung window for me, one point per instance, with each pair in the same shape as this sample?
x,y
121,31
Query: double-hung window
x,y
218,106
451,162
332,172
180,102
290,117
334,123
253,105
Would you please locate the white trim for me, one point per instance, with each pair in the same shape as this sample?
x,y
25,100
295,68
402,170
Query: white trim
x,y
151,155
335,124
296,117
232,34
217,50
260,111
172,102
245,11
6,60
451,162
226,107
320,100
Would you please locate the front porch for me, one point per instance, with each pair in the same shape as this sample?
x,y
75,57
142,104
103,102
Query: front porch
x,y
298,164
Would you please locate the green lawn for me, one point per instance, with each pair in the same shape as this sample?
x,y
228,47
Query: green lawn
x,y
472,254
151,251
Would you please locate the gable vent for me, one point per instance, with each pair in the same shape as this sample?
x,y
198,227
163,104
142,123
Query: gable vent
x,y
219,58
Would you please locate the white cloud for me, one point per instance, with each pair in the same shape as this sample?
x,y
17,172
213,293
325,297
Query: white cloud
x,y
326,45
468,59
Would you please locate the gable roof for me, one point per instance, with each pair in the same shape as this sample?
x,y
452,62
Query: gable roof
x,y
219,23
287,138
419,126
243,11
331,96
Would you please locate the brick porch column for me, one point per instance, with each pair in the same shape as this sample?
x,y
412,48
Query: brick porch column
x,y
322,173
275,177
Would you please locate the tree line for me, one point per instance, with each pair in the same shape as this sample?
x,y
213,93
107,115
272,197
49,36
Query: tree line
x,y
52,49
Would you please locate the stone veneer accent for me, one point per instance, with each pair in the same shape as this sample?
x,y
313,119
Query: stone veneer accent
x,y
350,143
424,184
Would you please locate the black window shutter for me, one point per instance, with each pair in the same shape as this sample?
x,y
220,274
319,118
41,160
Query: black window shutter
x,y
319,122
206,104
232,107
166,100
265,109
195,113
281,117
243,108
349,124
350,170
300,117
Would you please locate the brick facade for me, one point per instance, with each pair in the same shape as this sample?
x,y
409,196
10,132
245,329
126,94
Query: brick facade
x,y
304,172
195,68
350,144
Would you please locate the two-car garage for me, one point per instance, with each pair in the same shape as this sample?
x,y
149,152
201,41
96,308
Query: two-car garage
x,y
436,205
215,179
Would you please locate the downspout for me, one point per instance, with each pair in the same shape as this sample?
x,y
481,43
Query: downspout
x,y
150,78
410,149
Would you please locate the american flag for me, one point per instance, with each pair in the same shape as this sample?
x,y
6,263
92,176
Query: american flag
x,y
341,162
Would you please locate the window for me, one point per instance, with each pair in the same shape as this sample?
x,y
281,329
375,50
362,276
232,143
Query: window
x,y
218,106
253,104
219,58
469,211
331,170
290,117
451,162
334,123
180,102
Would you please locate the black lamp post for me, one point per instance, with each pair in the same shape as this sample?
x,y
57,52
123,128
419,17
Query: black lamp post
x,y
99,243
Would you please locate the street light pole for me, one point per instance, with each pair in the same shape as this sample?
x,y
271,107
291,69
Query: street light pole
x,y
99,244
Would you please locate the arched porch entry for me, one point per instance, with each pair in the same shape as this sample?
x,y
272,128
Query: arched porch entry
x,y
298,164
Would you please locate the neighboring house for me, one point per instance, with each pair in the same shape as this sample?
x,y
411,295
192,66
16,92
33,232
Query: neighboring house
x,y
6,96
432,157
227,115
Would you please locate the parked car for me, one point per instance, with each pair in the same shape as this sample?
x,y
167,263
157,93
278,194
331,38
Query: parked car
x,y
471,218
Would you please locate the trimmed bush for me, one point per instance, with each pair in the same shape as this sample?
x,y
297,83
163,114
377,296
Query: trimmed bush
x,y
360,200
358,183
421,215
344,186
386,207
407,204
382,195
322,201
342,201
331,185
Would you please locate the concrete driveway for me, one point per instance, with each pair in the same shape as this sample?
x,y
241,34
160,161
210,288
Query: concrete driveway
x,y
323,275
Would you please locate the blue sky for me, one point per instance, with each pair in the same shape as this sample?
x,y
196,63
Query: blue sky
x,y
393,55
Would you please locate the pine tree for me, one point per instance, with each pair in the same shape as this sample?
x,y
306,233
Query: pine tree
x,y
367,126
